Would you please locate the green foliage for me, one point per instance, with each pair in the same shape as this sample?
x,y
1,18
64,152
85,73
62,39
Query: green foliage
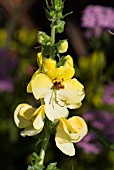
x,y
35,162
52,166
54,14
35,167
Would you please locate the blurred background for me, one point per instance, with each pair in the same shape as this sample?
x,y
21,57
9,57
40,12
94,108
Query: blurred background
x,y
90,33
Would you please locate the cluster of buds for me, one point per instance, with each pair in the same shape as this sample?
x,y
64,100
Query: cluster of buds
x,y
54,14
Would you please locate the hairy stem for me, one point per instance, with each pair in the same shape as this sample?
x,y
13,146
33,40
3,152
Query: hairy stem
x,y
52,50
44,146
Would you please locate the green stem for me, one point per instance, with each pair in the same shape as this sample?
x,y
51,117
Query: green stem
x,y
44,146
52,50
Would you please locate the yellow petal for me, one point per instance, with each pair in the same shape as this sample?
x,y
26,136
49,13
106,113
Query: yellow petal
x,y
20,121
73,91
39,59
56,72
68,73
41,84
38,122
69,61
27,111
29,131
67,124
48,64
80,127
29,87
61,73
55,109
74,105
62,134
66,148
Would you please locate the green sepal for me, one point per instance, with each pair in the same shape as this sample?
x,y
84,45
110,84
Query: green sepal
x,y
43,38
34,158
52,125
61,62
46,51
59,26
35,162
52,166
48,15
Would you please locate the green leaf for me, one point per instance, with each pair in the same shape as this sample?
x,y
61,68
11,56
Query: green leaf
x,y
52,166
35,162
35,167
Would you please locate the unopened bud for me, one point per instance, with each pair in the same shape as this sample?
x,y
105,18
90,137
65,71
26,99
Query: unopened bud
x,y
63,46
42,37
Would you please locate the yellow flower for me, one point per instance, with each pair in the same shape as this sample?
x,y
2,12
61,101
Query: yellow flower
x,y
68,132
29,118
57,88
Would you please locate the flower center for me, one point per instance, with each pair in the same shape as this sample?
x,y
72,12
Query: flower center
x,y
58,83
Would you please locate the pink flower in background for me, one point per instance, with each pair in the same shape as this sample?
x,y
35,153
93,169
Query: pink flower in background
x,y
96,18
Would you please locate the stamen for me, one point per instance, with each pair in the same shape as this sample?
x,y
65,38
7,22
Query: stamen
x,y
53,99
58,83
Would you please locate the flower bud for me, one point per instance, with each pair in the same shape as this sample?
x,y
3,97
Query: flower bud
x,y
42,37
63,46
60,26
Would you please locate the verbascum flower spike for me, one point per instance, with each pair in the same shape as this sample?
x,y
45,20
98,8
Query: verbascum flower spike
x,y
68,132
29,118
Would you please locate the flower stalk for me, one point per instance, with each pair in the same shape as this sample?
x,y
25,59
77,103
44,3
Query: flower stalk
x,y
44,146
53,84
52,50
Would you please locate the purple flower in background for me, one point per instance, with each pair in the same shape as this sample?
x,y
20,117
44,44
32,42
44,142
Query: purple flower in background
x,y
104,122
89,144
108,96
8,64
96,18
8,61
6,85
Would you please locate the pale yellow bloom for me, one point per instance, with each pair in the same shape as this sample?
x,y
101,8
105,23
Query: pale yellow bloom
x,y
57,88
29,118
68,132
